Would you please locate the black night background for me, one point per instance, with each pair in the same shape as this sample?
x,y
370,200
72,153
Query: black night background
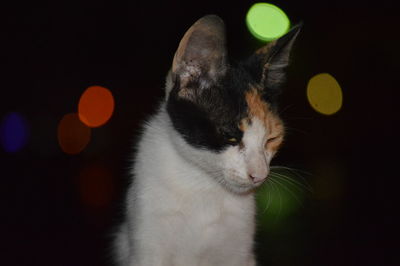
x,y
59,209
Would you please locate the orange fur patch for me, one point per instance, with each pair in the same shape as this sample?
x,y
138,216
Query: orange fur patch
x,y
261,109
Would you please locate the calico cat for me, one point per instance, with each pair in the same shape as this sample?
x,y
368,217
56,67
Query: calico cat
x,y
203,153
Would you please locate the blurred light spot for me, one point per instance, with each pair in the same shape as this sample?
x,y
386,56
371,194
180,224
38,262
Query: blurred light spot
x,y
279,197
96,106
13,132
324,94
96,186
73,135
266,21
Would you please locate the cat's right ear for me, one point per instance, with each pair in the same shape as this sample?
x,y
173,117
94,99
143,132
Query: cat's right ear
x,y
269,62
201,56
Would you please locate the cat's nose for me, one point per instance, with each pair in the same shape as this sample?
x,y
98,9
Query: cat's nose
x,y
259,172
258,167
257,178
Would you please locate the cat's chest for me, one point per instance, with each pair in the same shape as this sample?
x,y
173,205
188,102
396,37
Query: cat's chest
x,y
206,209
213,213
212,220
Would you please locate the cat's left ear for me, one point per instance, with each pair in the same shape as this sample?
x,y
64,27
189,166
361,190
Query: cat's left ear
x,y
269,62
201,55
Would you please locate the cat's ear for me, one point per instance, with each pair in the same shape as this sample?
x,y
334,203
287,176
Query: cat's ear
x,y
201,55
269,62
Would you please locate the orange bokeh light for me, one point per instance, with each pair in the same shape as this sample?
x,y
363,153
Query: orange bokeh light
x,y
96,106
73,135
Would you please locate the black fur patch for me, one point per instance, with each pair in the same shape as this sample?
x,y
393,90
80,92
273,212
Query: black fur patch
x,y
212,117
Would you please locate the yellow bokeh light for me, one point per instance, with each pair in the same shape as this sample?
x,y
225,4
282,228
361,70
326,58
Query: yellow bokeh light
x,y
324,94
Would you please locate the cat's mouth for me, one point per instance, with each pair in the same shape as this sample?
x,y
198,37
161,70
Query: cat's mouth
x,y
241,185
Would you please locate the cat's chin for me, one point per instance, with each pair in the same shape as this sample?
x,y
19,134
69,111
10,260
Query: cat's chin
x,y
240,188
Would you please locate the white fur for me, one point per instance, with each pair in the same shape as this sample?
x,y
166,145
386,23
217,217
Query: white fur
x,y
190,206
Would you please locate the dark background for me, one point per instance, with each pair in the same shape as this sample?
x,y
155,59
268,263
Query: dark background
x,y
50,53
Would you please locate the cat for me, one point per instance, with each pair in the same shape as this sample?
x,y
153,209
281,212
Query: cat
x,y
202,155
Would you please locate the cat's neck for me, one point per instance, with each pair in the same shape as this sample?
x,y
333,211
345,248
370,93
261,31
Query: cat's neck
x,y
165,157
159,158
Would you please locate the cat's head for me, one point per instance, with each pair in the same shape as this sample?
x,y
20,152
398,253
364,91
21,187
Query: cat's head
x,y
225,114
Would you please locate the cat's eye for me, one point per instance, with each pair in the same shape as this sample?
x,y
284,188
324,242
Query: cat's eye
x,y
272,139
228,137
232,140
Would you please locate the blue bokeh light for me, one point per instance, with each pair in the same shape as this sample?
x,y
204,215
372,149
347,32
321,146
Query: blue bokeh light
x,y
13,132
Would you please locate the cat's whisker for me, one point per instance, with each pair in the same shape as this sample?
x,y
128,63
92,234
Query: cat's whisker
x,y
296,172
280,202
299,118
285,109
268,203
279,196
298,185
289,191
269,198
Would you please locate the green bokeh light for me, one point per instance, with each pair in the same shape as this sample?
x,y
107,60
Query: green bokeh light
x,y
280,197
267,22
